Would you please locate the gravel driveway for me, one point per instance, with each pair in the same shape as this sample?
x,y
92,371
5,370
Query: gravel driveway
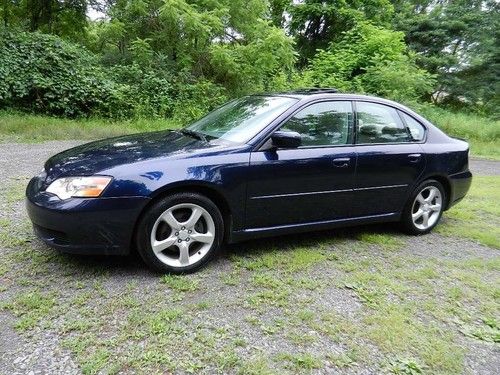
x,y
112,315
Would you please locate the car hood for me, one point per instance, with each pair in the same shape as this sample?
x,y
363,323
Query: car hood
x,y
94,157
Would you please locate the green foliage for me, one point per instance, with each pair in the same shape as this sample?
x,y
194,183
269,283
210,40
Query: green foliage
x,y
316,23
399,79
370,59
59,17
43,73
229,43
458,41
181,58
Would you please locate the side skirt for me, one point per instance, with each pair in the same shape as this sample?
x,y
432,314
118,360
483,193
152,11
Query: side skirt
x,y
253,233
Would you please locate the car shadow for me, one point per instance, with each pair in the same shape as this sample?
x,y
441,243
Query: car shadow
x,y
133,265
308,238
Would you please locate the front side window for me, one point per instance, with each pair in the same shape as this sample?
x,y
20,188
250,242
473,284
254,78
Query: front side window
x,y
242,119
322,124
378,123
417,130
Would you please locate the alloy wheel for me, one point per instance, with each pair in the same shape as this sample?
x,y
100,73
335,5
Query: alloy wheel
x,y
182,235
427,207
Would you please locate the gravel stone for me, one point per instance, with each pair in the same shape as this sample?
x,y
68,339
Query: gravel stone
x,y
40,351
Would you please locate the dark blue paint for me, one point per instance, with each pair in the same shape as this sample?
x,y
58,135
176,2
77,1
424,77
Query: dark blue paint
x,y
264,192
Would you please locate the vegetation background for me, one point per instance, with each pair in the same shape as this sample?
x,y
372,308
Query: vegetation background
x,y
150,64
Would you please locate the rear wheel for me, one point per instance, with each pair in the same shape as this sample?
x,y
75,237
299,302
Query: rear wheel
x,y
424,208
180,233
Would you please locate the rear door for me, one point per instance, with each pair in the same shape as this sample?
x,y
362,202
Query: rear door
x,y
389,160
311,183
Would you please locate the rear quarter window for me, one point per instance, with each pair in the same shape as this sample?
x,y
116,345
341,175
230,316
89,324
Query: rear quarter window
x,y
417,130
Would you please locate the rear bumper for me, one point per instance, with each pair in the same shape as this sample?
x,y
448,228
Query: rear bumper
x,y
460,184
84,226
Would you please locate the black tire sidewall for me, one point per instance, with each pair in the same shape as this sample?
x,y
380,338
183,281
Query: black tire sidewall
x,y
148,219
407,220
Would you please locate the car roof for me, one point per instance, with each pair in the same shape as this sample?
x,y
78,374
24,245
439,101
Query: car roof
x,y
330,93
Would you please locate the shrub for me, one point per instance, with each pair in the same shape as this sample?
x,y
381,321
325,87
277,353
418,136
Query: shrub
x,y
46,74
194,100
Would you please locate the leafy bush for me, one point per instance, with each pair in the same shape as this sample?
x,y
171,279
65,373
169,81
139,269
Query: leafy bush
x,y
370,59
193,100
46,74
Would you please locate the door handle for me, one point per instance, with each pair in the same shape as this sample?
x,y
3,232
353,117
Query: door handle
x,y
341,162
414,158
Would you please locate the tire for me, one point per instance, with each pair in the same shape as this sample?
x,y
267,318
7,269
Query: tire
x,y
180,233
423,211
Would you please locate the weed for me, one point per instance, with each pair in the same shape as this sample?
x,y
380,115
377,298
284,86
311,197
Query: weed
x,y
405,367
384,240
345,359
180,283
31,307
94,362
301,361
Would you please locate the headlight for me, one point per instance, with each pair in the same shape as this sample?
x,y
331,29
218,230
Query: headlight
x,y
68,187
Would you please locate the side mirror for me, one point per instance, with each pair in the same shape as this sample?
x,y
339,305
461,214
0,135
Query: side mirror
x,y
286,139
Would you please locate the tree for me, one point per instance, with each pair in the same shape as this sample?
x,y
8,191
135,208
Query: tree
x,y
371,59
317,23
65,18
231,42
456,40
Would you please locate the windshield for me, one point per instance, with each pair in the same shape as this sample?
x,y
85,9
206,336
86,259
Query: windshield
x,y
241,119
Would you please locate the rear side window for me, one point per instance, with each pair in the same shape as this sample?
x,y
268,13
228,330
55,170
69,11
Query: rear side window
x,y
379,123
417,130
323,124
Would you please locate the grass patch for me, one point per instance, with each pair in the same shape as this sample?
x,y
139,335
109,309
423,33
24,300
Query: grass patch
x,y
15,191
35,128
30,308
180,283
395,329
95,361
301,361
482,133
477,216
385,240
345,359
288,260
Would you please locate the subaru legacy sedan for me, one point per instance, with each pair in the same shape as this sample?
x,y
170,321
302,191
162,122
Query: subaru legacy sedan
x,y
261,165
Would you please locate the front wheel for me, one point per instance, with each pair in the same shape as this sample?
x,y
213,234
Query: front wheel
x,y
424,208
180,233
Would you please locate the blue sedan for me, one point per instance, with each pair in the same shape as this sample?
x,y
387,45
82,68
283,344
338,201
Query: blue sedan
x,y
261,165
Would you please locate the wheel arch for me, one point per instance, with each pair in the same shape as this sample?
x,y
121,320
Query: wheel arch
x,y
201,188
443,180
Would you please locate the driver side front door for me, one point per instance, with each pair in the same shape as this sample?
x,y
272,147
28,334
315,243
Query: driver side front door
x,y
309,184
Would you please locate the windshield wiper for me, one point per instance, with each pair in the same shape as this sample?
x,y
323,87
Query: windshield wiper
x,y
194,134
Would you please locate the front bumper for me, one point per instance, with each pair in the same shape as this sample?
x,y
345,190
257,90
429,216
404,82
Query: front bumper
x,y
84,225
